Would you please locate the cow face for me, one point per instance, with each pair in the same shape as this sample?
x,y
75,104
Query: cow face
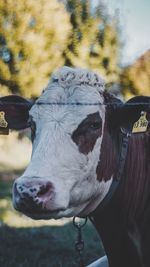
x,y
61,179
72,163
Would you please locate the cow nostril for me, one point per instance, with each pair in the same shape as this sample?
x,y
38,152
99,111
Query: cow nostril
x,y
44,189
21,188
33,190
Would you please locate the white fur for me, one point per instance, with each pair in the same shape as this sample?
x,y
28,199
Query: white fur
x,y
55,156
102,262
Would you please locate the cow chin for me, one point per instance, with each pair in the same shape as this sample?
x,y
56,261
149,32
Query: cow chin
x,y
47,215
79,211
53,214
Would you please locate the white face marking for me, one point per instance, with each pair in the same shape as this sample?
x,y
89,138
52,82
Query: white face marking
x,y
56,157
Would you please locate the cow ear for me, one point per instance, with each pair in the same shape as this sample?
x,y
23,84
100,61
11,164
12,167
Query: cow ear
x,y
14,112
129,113
113,107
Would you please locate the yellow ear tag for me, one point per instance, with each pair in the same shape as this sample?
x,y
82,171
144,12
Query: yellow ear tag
x,y
141,125
3,122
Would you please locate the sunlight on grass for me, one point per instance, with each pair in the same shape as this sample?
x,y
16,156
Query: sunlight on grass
x,y
15,219
15,153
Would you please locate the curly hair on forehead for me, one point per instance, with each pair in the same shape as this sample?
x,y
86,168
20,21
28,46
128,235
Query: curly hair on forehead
x,y
67,77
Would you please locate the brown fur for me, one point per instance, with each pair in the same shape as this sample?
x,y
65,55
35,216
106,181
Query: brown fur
x,y
108,156
108,161
85,135
135,183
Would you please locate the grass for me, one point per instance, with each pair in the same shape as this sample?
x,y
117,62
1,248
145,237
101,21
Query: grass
x,y
47,246
28,243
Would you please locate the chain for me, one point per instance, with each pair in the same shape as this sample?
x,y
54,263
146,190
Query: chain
x,y
79,244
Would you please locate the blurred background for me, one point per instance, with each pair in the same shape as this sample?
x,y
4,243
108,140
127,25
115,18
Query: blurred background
x,y
37,37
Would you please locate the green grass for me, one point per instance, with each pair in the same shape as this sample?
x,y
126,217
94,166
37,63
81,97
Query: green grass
x,y
5,196
45,246
5,189
33,244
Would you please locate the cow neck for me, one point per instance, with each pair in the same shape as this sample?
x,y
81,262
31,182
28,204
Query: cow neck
x,y
124,140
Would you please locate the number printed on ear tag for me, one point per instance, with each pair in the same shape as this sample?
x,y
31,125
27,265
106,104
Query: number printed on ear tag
x,y
3,122
141,125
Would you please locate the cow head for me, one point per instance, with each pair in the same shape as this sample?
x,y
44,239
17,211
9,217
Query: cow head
x,y
73,157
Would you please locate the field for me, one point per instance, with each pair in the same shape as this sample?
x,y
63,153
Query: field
x,y
28,243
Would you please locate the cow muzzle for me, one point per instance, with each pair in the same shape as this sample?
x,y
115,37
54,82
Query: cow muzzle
x,y
34,197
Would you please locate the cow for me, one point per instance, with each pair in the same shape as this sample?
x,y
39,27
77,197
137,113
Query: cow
x,y
90,158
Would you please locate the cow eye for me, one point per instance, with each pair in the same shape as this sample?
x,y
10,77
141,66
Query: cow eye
x,y
33,131
33,128
95,125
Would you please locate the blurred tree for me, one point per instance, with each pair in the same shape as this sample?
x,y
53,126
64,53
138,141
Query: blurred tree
x,y
135,79
33,37
36,37
95,40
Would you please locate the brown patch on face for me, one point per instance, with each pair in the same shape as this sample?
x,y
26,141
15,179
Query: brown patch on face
x,y
87,133
108,156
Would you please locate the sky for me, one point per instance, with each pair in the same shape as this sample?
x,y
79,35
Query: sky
x,y
135,24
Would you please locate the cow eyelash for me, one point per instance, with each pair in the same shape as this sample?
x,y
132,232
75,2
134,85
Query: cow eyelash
x,y
95,125
32,127
90,126
33,131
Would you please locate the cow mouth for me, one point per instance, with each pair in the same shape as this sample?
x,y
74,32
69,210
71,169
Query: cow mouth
x,y
38,213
